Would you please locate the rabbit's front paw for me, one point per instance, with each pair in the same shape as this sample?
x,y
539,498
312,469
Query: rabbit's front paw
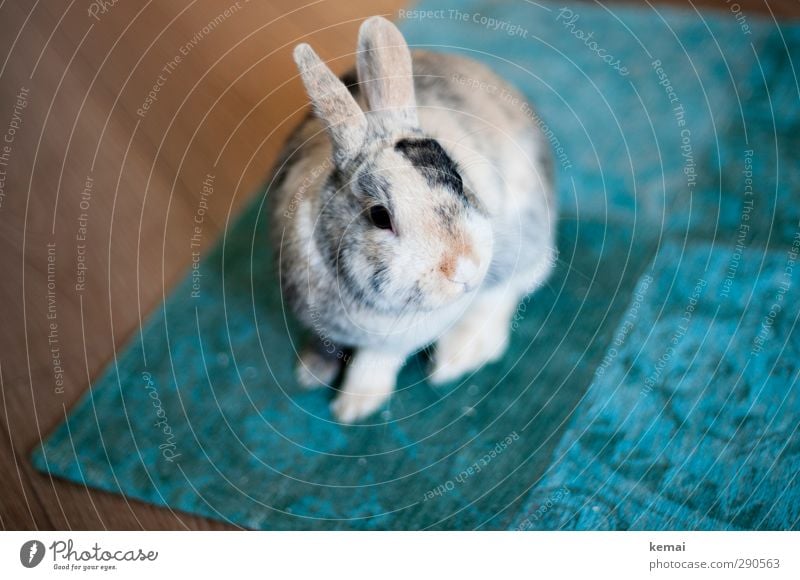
x,y
368,383
352,406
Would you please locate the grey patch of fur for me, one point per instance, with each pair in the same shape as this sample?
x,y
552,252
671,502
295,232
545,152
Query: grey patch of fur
x,y
433,162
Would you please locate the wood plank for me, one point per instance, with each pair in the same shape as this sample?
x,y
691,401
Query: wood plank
x,y
144,172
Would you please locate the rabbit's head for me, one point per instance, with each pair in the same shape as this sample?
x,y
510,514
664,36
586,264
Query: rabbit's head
x,y
397,222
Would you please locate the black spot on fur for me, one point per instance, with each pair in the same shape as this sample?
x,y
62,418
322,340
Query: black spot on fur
x,y
433,162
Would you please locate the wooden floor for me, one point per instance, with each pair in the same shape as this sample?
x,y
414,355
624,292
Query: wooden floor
x,y
99,184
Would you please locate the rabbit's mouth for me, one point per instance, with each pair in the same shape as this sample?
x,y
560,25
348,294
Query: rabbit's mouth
x,y
464,272
465,287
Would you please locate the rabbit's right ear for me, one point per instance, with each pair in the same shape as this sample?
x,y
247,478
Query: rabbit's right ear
x,y
333,104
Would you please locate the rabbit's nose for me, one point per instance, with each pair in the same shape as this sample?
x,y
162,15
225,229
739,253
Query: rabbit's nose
x,y
467,272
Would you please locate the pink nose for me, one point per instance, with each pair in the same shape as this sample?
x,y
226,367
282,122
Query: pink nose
x,y
467,272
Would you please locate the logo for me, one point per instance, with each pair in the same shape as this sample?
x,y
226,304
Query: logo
x,y
31,553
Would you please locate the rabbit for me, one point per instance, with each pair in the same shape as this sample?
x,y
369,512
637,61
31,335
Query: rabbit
x,y
414,206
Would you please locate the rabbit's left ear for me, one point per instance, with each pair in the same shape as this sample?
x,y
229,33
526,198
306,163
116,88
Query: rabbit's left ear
x,y
333,103
384,71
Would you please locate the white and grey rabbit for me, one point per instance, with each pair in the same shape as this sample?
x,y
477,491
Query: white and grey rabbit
x,y
414,207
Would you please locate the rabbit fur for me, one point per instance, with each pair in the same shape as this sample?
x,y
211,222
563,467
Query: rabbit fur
x,y
415,206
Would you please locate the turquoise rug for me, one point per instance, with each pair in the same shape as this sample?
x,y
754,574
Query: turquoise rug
x,y
652,384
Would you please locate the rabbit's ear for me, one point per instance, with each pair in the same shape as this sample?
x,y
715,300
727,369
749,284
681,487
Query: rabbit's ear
x,y
384,71
333,104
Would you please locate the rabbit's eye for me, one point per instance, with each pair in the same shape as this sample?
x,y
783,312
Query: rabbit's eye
x,y
379,216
